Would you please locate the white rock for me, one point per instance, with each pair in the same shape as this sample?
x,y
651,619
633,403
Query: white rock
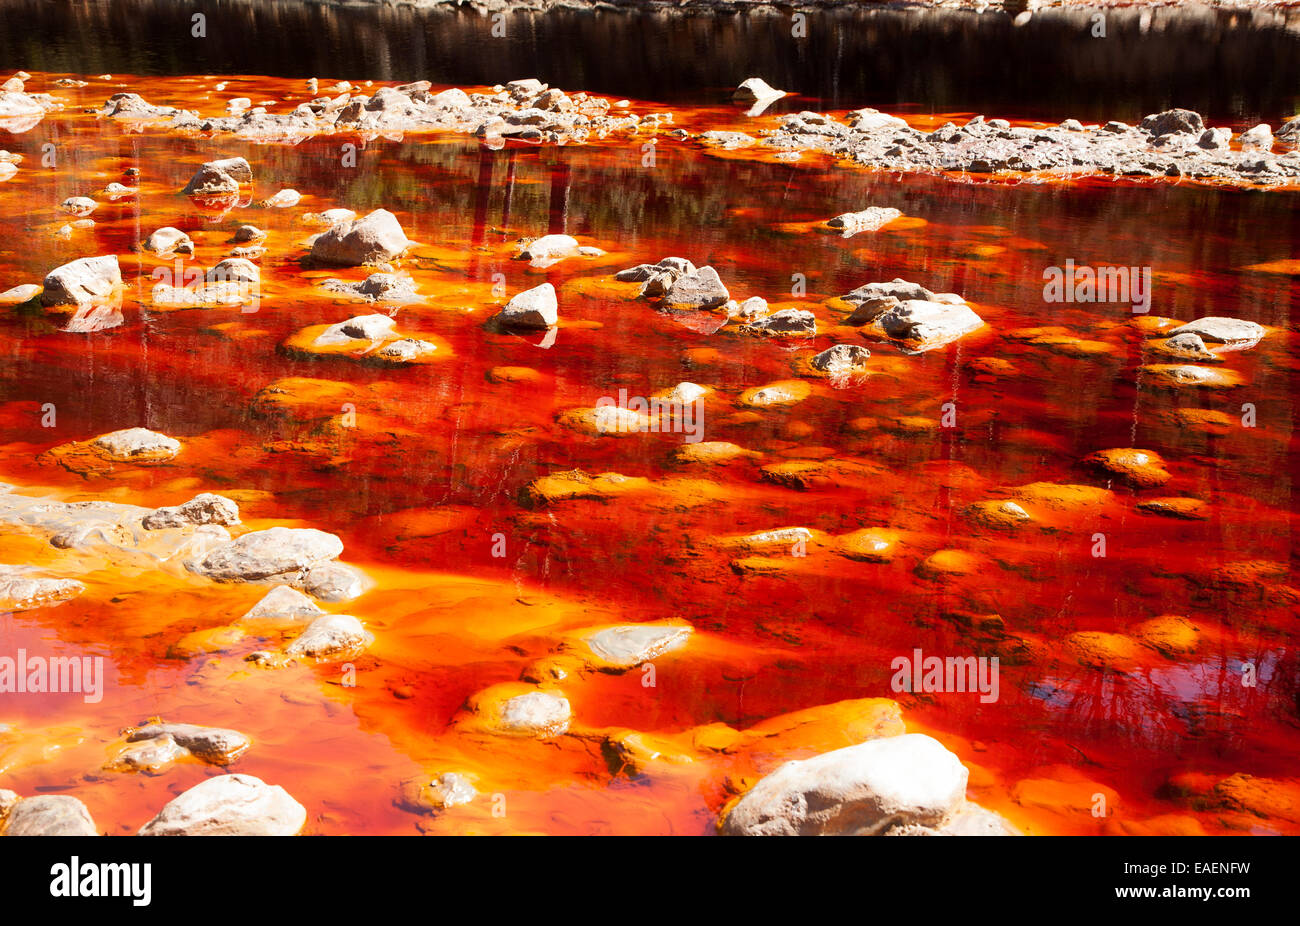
x,y
272,552
377,237
284,604
1231,331
862,789
133,443
85,281
169,241
533,308
928,325
754,90
330,635
229,805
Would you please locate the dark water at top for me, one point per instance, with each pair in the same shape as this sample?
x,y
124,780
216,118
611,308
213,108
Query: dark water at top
x,y
1228,66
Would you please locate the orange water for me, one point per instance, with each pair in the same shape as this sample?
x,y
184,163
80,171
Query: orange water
x,y
433,471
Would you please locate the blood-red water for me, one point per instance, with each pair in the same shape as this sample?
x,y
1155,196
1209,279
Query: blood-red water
x,y
430,478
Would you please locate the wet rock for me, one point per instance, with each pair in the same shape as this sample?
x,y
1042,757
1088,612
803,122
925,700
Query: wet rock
x,y
216,178
22,588
533,308
234,270
17,295
1189,375
751,309
872,218
1259,138
150,757
48,815
272,552
548,249
405,350
712,452
784,323
728,140
642,272
517,709
926,325
784,392
1172,121
1215,139
229,805
870,545
1143,469
1188,346
281,200
450,789
698,289
998,514
246,233
1170,635
897,289
948,564
377,237
374,327
85,281
334,582
134,445
1235,332
841,359
214,745
755,90
631,752
1101,650
283,604
859,790
331,635
1185,509
78,205
166,241
205,508
628,646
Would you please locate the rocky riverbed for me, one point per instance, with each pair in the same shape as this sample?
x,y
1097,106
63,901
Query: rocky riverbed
x,y
579,441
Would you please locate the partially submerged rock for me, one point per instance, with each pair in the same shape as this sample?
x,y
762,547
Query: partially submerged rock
x,y
48,815
283,605
277,551
1143,469
136,445
331,636
859,790
518,709
213,745
82,282
1234,332
167,241
229,805
923,326
840,359
755,90
23,588
532,308
205,508
872,218
375,238
627,646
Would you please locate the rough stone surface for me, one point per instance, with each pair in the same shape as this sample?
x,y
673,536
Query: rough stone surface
x,y
272,552
533,308
862,789
229,805
377,237
48,815
85,281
